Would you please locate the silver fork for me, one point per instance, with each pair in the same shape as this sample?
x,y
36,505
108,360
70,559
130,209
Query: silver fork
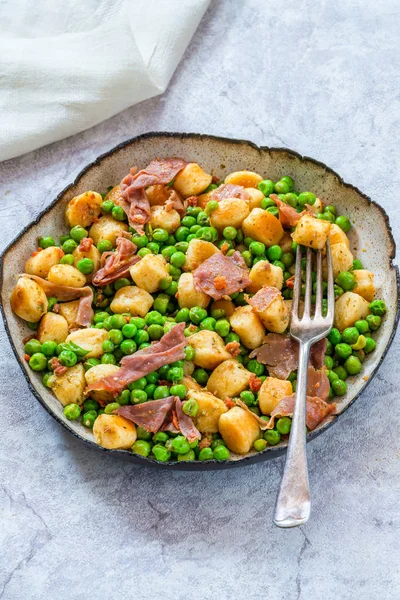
x,y
293,503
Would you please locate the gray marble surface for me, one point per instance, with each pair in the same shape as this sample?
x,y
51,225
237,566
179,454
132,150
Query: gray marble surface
x,y
321,78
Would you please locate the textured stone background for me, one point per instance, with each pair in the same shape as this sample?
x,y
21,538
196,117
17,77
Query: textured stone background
x,y
321,78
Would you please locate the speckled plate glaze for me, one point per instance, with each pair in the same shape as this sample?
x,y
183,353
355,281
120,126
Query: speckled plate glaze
x,y
371,238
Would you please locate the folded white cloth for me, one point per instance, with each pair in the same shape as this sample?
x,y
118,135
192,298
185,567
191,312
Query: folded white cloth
x,y
67,65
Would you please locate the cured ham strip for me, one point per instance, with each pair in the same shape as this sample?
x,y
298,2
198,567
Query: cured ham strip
x,y
281,354
317,383
263,298
168,350
185,423
220,275
116,264
288,216
135,201
316,410
229,190
161,415
149,415
174,202
65,293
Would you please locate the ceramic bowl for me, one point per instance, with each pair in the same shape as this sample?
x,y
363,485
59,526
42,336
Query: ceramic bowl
x,y
371,238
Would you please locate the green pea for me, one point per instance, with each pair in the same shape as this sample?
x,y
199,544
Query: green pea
x,y
63,239
91,362
283,425
205,454
218,313
248,398
161,453
291,199
118,213
334,336
46,379
46,242
222,327
72,412
143,252
155,332
68,358
344,223
260,445
69,246
329,363
171,240
180,445
289,181
377,307
32,347
201,376
175,374
339,387
120,283
140,241
138,396
350,335
374,322
48,348
274,252
172,289
370,345
255,367
161,391
109,409
266,186
129,330
124,397
108,359
104,246
195,228
257,248
197,314
306,198
89,418
232,337
188,221
268,203
160,235
182,315
281,187
357,264
353,365
115,336
141,337
141,447
128,347
346,280
67,259
221,453
107,206
187,456
140,384
332,376
100,316
117,321
343,350
108,290
77,233
160,437
208,323
153,247
287,259
189,353
212,205
341,372
180,391
178,259
138,322
154,318
229,233
108,346
143,434
272,437
202,219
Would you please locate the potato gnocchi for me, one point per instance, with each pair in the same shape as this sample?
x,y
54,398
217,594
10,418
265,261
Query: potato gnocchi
x,y
163,266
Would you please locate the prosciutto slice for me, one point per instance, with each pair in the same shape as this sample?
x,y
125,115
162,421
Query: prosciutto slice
x,y
220,275
161,415
168,350
134,198
263,298
316,410
281,354
65,293
317,383
228,190
288,216
116,264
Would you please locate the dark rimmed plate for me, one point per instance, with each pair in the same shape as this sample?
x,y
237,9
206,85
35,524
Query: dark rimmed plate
x,y
371,238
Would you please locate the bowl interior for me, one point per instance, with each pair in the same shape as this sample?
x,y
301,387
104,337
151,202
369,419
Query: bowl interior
x,y
370,238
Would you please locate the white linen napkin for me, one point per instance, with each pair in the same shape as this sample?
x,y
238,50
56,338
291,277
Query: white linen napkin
x,y
66,65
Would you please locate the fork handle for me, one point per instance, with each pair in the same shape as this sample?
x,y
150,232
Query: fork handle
x,y
293,503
